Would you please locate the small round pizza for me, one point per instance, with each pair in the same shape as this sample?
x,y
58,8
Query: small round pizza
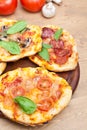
x,y
33,96
59,50
18,40
2,67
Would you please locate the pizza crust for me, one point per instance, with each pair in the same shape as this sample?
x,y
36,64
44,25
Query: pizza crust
x,y
34,47
72,60
2,67
38,117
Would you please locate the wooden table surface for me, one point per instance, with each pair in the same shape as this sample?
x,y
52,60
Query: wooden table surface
x,y
72,16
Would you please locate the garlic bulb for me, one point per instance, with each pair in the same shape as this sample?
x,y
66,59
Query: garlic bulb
x,y
57,1
48,10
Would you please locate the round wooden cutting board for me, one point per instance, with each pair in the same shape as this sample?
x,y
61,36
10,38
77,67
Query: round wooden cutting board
x,y
71,76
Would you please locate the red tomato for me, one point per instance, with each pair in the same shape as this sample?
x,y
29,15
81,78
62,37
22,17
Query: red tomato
x,y
45,104
7,7
17,91
33,5
44,84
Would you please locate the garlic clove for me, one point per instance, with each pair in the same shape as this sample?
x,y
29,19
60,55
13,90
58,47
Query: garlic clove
x,y
57,1
49,10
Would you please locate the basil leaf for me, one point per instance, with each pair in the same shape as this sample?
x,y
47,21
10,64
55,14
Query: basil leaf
x,y
44,54
46,45
10,46
58,33
17,27
26,104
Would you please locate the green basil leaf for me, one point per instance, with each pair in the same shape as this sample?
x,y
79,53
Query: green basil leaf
x,y
26,104
17,27
46,45
10,46
58,33
44,54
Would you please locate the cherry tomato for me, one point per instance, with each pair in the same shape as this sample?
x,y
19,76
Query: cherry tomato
x,y
45,104
17,91
44,83
32,5
7,7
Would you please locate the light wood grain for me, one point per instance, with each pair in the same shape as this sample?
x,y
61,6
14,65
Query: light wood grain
x,y
72,16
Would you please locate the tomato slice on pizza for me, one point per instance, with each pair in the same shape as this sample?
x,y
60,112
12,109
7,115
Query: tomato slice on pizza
x,y
33,96
59,50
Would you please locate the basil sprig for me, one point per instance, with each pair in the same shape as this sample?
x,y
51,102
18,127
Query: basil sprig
x,y
44,52
47,46
10,46
58,33
17,27
26,104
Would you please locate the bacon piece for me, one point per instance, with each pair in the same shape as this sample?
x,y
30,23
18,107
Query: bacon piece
x,y
61,60
57,44
47,32
61,52
67,51
62,55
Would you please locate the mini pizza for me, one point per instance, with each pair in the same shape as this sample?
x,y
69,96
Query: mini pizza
x,y
33,96
18,40
59,51
2,67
